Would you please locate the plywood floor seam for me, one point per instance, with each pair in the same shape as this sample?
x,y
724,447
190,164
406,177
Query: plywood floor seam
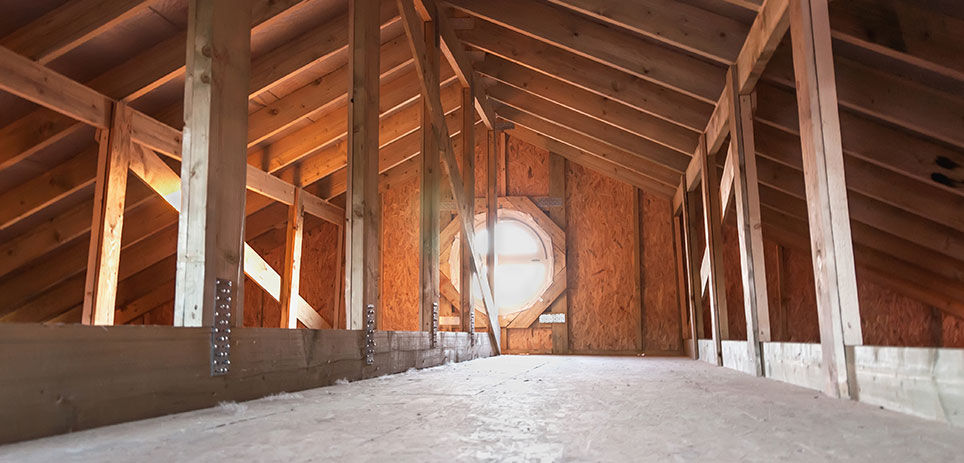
x,y
525,408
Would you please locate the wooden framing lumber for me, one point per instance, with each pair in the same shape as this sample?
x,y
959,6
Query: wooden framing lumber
x,y
694,288
290,282
618,49
604,133
362,239
765,34
454,52
675,23
557,190
829,218
165,182
491,202
100,289
429,190
468,176
430,87
577,154
714,249
64,28
742,162
590,75
543,122
174,362
19,75
211,224
590,104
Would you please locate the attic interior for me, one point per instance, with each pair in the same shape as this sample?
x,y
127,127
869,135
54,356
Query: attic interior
x,y
674,221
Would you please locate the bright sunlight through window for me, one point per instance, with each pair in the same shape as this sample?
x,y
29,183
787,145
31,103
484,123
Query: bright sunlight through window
x,y
523,262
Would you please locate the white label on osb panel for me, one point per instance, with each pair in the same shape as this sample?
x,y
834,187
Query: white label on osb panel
x,y
552,318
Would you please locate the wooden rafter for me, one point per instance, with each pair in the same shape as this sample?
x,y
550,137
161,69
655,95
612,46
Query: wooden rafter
x,y
614,48
673,22
588,74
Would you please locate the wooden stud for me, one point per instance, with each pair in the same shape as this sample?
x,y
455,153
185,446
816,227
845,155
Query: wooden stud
x,y
749,225
491,201
291,279
213,170
640,279
694,293
468,177
557,189
110,194
362,239
429,191
686,320
710,188
829,218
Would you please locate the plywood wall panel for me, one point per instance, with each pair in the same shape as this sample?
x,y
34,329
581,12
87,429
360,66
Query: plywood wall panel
x,y
320,279
661,315
603,293
400,256
952,331
891,319
529,340
735,310
527,172
773,258
800,297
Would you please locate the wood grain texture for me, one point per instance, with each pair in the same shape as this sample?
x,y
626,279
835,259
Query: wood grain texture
x,y
603,298
124,373
400,256
661,323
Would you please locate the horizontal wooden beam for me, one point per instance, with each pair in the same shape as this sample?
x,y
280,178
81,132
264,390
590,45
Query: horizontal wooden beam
x,y
108,359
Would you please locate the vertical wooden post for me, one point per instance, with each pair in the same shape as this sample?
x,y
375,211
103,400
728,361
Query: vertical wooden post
x,y
685,319
748,224
557,189
103,258
714,243
429,192
213,168
468,184
694,292
338,296
362,246
291,278
829,217
638,266
492,209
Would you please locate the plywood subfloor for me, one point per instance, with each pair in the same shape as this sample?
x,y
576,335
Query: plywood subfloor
x,y
521,408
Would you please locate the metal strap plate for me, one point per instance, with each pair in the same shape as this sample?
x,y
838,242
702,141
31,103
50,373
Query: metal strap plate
x,y
370,334
221,331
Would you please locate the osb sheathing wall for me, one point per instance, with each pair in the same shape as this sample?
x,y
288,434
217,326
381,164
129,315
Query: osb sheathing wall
x,y
887,317
604,301
399,286
661,320
603,287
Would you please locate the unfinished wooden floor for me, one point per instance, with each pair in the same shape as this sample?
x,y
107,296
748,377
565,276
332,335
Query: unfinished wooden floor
x,y
521,408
